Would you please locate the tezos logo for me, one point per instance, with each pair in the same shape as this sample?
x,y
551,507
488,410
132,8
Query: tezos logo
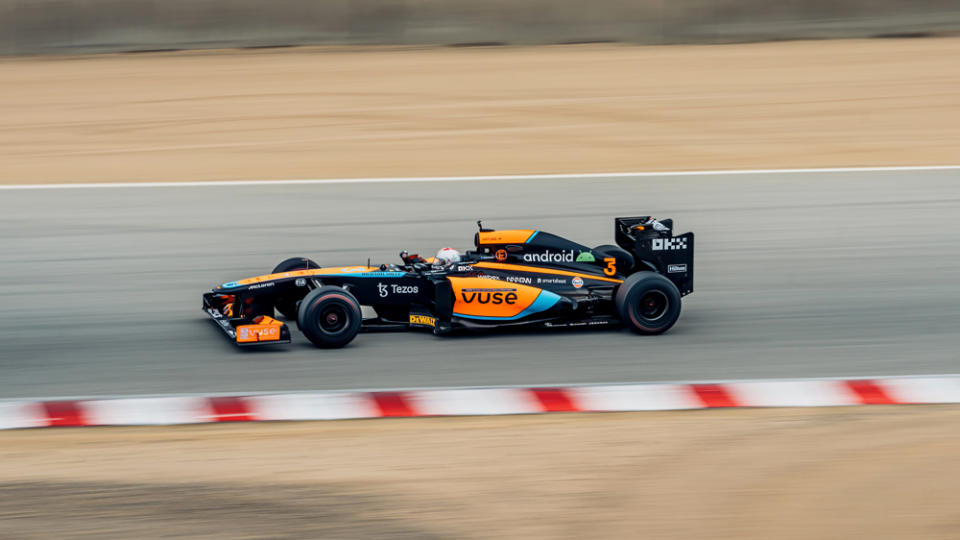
x,y
397,289
577,282
549,256
489,296
669,244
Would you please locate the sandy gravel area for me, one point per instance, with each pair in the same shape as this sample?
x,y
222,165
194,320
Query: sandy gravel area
x,y
321,113
857,472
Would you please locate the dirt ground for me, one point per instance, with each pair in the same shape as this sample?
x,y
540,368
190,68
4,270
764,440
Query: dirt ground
x,y
865,472
855,472
323,113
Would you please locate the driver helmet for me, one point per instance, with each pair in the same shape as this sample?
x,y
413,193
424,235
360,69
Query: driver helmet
x,y
446,257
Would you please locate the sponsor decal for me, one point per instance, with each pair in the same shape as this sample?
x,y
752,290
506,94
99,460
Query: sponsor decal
x,y
384,289
464,269
520,279
577,282
424,320
485,276
501,255
489,290
586,256
352,269
549,256
676,268
552,281
489,296
404,289
261,285
258,333
669,244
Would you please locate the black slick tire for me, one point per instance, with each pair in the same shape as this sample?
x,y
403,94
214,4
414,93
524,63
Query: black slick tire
x,y
330,317
648,303
287,304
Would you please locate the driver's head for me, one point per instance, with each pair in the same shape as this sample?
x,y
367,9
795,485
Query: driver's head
x,y
446,257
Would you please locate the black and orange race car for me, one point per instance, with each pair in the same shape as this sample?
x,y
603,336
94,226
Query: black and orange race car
x,y
514,278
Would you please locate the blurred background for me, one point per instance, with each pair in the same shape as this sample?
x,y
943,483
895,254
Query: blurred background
x,y
57,26
823,273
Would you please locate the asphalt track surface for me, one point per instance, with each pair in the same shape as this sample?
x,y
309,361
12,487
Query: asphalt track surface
x,y
798,275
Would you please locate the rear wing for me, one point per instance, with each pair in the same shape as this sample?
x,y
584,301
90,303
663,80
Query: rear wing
x,y
656,248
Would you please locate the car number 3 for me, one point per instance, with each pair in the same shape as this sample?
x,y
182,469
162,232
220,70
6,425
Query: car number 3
x,y
611,268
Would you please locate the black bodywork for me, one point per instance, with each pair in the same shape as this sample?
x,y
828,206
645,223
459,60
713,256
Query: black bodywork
x,y
571,285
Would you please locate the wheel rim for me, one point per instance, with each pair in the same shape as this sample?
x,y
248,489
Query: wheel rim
x,y
653,305
333,319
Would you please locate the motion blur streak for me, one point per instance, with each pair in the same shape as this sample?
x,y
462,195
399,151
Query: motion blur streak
x,y
798,275
414,179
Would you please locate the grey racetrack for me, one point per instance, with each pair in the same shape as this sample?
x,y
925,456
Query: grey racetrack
x,y
798,275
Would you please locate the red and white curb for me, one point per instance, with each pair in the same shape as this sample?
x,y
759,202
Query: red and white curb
x,y
194,409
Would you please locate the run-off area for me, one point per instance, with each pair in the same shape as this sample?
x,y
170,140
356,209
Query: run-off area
x,y
881,472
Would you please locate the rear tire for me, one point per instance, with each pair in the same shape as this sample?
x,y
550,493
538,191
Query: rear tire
x,y
648,303
330,317
287,304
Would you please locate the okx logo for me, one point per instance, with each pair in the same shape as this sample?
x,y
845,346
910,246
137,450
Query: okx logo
x,y
669,244
489,296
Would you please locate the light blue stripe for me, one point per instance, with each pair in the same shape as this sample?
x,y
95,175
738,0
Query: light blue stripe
x,y
528,240
366,274
545,300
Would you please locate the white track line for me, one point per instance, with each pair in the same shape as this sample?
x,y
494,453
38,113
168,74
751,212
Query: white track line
x,y
649,174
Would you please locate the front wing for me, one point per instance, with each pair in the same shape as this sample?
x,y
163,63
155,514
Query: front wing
x,y
246,332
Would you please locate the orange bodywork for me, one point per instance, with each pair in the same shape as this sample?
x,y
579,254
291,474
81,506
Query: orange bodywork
x,y
515,236
265,329
535,270
304,273
479,297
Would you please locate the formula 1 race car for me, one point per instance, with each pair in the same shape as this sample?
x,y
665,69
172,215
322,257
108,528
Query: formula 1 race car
x,y
514,278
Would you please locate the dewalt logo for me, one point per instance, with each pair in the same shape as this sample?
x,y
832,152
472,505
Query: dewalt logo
x,y
423,320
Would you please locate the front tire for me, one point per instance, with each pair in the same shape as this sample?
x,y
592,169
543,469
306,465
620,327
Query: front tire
x,y
648,303
330,317
287,304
